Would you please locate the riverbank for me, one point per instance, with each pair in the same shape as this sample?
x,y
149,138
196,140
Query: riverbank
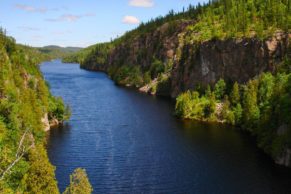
x,y
131,142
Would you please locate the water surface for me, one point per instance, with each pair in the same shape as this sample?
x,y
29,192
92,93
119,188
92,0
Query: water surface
x,y
129,142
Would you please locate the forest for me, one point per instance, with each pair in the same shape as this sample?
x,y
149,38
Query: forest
x,y
24,101
260,105
218,19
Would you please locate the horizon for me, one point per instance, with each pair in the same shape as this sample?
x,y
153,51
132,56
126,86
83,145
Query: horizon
x,y
79,24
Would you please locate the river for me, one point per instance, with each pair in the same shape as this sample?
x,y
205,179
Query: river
x,y
130,142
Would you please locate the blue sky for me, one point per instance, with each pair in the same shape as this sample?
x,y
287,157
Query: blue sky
x,y
79,22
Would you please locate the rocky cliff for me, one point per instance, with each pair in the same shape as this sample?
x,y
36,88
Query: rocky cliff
x,y
140,50
233,60
161,43
188,64
197,63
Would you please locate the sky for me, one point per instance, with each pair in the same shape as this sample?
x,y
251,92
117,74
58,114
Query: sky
x,y
79,22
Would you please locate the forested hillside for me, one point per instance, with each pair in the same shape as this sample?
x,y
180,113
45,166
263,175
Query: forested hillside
x,y
26,107
227,61
57,52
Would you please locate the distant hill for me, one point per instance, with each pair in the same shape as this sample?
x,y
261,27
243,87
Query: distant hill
x,y
55,51
66,49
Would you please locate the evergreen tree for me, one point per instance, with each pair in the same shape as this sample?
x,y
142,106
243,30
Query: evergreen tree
x,y
251,112
235,94
219,89
79,183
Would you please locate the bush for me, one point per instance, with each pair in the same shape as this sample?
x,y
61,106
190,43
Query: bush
x,y
189,105
58,110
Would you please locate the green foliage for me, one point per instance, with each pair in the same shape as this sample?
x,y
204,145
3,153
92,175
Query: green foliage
x,y
24,100
91,56
236,18
238,112
266,88
57,109
219,89
156,68
40,176
190,105
147,77
226,112
79,183
235,94
251,111
57,52
127,75
262,107
96,56
220,19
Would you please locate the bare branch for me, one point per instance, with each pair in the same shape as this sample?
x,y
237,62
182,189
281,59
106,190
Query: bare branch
x,y
19,154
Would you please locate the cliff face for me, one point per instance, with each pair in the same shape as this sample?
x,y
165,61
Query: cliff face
x,y
197,64
161,43
233,60
189,65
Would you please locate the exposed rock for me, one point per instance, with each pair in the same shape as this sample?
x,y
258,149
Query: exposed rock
x,y
54,122
199,64
284,158
48,124
233,60
148,88
145,88
160,43
45,122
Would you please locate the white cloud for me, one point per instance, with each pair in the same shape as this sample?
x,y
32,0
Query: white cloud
x,y
30,8
28,28
61,33
130,20
69,17
141,3
43,10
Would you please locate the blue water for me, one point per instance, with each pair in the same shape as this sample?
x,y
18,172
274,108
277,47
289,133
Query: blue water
x,y
129,142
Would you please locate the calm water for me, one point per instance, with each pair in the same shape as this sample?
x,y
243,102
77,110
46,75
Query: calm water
x,y
130,143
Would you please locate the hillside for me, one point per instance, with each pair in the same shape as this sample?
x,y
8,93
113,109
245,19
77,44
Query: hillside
x,y
205,56
54,52
27,110
78,56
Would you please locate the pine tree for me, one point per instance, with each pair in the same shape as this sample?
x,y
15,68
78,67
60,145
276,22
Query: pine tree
x,y
251,112
235,94
79,183
219,89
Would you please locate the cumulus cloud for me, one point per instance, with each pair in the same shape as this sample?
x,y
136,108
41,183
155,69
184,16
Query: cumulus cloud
x,y
69,17
130,20
31,8
141,3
